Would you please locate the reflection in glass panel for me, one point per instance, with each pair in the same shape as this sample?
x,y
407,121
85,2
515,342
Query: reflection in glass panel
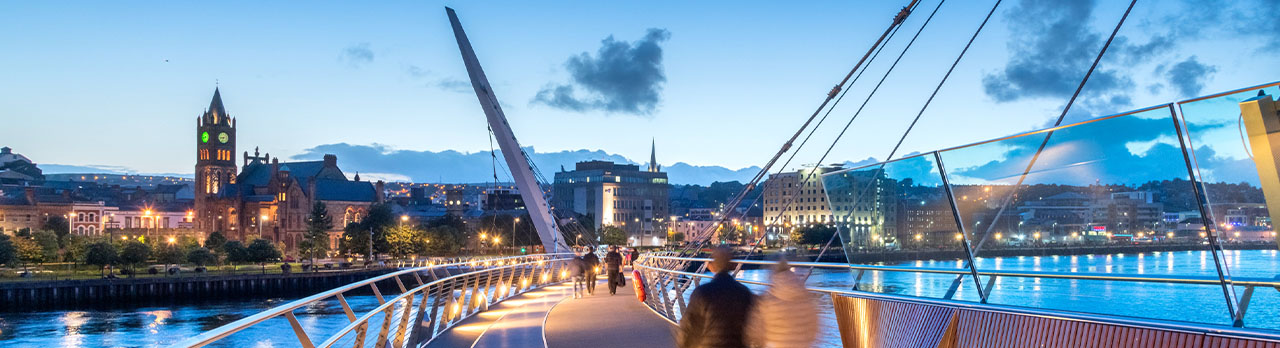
x,y
1263,309
899,215
1223,158
1108,196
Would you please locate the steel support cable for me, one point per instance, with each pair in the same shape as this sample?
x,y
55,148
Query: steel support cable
x,y
1034,158
1062,116
703,240
897,20
814,129
865,101
914,121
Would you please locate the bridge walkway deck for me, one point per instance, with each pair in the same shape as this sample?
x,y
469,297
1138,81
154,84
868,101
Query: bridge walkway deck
x,y
550,317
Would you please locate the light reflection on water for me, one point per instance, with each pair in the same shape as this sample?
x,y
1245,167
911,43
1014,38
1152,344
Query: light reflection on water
x,y
1195,303
161,327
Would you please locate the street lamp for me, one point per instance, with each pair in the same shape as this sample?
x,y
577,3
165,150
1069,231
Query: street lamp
x,y
513,231
403,219
147,215
261,220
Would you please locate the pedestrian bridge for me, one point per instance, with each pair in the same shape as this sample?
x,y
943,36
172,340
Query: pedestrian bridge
x,y
525,301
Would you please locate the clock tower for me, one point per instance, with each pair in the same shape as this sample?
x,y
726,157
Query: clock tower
x,y
215,164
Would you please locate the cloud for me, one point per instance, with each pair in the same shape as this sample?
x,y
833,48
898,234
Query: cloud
x,y
50,169
454,85
1051,48
476,167
444,83
1123,150
622,77
357,55
1189,76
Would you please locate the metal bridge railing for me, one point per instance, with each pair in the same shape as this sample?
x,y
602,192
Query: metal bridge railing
x,y
441,296
667,290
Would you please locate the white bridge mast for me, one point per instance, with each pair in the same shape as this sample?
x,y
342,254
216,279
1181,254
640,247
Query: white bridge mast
x,y
521,171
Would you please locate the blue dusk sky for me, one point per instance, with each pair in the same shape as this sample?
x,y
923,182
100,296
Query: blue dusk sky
x,y
120,84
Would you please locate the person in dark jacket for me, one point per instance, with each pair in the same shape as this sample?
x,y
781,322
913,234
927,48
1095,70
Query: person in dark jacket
x,y
578,271
718,310
635,255
593,267
613,263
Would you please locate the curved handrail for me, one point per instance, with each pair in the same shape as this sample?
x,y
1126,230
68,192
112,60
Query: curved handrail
x,y
996,308
236,326
364,319
1206,280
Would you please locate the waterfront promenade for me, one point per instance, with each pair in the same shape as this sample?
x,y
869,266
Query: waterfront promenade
x,y
550,317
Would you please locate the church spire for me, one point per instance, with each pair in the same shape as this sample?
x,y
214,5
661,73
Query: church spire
x,y
217,114
653,156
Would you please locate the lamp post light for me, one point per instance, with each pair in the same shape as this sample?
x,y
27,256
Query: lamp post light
x,y
403,219
262,219
147,216
513,232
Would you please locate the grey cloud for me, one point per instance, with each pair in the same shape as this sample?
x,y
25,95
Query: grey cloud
x,y
1189,76
622,77
454,85
416,72
1051,48
444,83
357,54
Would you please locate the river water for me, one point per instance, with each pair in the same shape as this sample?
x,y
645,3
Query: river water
x,y
162,326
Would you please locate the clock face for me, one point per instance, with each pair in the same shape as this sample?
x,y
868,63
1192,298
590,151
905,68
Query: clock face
x,y
223,138
204,137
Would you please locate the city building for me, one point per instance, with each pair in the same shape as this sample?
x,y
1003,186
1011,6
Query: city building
x,y
268,198
863,204
1127,214
18,169
619,195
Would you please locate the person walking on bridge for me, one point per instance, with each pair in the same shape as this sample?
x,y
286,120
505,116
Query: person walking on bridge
x,y
786,316
718,310
613,263
578,271
593,267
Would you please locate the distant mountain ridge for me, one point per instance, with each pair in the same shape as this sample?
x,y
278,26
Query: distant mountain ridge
x,y
423,166
379,162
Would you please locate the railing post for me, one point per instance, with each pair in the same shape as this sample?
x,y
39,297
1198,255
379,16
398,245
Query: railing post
x,y
1206,217
964,236
297,330
404,321
436,302
386,326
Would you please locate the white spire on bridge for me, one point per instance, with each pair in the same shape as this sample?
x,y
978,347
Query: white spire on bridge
x,y
521,170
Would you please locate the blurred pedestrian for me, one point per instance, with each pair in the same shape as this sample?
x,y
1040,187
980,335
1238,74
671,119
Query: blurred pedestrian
x,y
613,264
593,267
786,315
578,271
718,310
635,255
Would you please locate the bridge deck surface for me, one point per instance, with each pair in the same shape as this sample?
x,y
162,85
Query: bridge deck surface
x,y
550,317
618,321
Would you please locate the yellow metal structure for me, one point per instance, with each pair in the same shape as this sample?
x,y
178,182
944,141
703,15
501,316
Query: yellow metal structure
x,y
1262,126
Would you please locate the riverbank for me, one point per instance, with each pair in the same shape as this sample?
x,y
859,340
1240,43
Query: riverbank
x,y
125,292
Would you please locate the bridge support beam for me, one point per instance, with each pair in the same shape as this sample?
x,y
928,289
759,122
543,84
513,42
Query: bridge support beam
x,y
1262,126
